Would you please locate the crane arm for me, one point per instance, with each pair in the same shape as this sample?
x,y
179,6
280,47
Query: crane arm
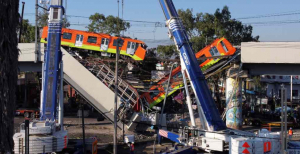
x,y
212,119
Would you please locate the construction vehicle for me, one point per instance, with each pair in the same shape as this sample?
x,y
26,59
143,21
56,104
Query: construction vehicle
x,y
27,112
46,135
212,134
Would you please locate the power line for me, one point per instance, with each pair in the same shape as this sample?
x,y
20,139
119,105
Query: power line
x,y
274,22
141,23
269,15
288,13
162,24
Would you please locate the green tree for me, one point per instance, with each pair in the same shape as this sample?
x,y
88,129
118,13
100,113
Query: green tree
x,y
9,52
166,51
203,28
43,17
109,25
188,21
28,32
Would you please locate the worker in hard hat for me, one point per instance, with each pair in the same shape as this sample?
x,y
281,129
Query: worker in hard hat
x,y
290,133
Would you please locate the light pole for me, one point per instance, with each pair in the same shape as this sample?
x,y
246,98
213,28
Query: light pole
x,y
291,92
165,99
21,25
118,43
36,32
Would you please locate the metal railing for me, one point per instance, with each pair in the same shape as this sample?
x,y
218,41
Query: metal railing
x,y
129,96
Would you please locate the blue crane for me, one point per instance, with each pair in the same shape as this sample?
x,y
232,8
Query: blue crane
x,y
46,135
208,109
52,64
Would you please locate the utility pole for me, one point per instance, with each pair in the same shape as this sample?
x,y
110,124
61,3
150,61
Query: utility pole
x,y
65,14
21,26
83,129
116,100
36,31
116,88
291,92
26,136
66,4
283,119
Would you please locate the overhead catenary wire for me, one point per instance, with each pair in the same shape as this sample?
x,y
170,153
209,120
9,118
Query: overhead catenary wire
x,y
288,13
297,12
158,24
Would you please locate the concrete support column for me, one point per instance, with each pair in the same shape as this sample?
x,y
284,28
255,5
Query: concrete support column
x,y
234,117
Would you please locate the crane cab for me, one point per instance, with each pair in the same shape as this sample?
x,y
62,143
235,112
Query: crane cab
x,y
55,13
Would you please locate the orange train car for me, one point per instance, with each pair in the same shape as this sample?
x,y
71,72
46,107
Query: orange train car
x,y
99,42
220,47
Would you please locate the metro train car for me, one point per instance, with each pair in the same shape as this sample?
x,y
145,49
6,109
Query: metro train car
x,y
220,47
98,42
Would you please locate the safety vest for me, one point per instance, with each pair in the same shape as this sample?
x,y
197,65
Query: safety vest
x,y
290,132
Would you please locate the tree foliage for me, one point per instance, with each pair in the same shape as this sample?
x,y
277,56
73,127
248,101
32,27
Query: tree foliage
x,y
166,51
204,28
9,20
109,25
151,52
28,32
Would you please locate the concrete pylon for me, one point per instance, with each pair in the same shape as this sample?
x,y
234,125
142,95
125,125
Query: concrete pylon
x,y
234,117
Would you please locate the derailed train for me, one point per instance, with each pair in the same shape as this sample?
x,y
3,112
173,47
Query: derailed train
x,y
217,49
99,43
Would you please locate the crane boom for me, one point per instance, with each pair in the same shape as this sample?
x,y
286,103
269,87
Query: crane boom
x,y
53,58
212,119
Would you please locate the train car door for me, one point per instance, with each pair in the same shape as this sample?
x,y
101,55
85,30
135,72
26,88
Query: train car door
x,y
79,40
131,48
104,44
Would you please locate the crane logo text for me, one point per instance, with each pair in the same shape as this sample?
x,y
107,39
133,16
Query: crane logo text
x,y
185,58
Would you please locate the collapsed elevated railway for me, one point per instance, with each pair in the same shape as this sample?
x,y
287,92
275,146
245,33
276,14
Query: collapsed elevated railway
x,y
94,82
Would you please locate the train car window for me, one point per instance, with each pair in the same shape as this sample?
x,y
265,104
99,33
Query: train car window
x,y
55,13
224,46
215,50
211,51
77,37
104,41
133,46
128,44
202,59
92,39
67,36
81,38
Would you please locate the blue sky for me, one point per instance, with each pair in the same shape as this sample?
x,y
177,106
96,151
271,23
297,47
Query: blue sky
x,y
149,10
